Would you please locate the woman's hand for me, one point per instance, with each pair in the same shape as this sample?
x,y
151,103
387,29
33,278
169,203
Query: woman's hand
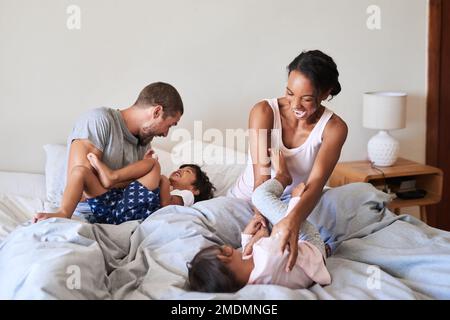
x,y
287,230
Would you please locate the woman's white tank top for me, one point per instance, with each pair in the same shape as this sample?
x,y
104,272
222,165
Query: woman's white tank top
x,y
299,160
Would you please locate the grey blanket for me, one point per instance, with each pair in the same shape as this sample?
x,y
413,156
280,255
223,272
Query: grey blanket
x,y
376,254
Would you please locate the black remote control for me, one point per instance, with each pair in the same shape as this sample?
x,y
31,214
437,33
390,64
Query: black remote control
x,y
414,194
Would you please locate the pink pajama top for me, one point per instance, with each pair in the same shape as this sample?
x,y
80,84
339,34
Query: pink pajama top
x,y
270,264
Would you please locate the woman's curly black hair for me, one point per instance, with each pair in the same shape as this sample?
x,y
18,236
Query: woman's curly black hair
x,y
202,184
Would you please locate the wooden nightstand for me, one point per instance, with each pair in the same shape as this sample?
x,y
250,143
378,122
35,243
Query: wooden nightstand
x,y
427,178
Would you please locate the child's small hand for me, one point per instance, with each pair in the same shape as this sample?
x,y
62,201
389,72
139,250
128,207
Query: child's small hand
x,y
252,227
150,154
255,224
260,233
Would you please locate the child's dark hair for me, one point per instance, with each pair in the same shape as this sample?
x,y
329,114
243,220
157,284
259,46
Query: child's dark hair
x,y
202,184
320,69
208,274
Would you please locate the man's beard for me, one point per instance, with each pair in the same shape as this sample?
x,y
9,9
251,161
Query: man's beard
x,y
145,141
146,136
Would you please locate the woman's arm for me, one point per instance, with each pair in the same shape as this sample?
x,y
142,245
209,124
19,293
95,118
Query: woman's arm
x,y
288,228
260,126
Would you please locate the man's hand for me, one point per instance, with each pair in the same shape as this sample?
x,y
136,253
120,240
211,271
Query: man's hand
x,y
287,231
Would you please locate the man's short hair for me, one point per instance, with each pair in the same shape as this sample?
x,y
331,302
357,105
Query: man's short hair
x,y
163,94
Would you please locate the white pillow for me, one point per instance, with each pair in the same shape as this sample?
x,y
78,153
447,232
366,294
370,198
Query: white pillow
x,y
54,172
165,160
222,165
28,185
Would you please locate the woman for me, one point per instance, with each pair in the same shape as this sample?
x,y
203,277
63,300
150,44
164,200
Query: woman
x,y
309,135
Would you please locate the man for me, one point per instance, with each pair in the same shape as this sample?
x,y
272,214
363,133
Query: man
x,y
118,137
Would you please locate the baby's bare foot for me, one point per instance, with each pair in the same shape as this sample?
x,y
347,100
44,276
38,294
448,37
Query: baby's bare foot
x,y
298,190
105,174
279,165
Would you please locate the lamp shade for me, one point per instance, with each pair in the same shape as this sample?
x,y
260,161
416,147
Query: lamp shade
x,y
384,110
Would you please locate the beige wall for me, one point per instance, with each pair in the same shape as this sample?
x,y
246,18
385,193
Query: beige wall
x,y
223,56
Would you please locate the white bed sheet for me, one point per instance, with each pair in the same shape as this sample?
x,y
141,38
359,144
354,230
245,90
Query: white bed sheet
x,y
15,210
21,196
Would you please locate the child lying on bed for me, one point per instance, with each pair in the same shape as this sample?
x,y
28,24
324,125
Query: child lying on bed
x,y
225,269
135,191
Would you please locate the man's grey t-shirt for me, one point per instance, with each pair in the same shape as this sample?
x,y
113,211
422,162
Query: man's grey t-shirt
x,y
106,130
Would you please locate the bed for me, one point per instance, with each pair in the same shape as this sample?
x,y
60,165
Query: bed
x,y
376,254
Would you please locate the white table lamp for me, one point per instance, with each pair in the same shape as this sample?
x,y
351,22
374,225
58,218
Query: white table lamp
x,y
384,111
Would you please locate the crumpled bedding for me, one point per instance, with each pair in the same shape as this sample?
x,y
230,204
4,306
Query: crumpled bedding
x,y
376,254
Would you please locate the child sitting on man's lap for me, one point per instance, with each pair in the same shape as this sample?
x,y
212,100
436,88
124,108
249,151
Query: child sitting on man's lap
x,y
135,191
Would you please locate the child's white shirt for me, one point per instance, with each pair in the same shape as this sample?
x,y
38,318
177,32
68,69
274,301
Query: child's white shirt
x,y
186,195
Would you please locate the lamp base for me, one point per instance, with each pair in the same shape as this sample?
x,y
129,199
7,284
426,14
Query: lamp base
x,y
383,149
